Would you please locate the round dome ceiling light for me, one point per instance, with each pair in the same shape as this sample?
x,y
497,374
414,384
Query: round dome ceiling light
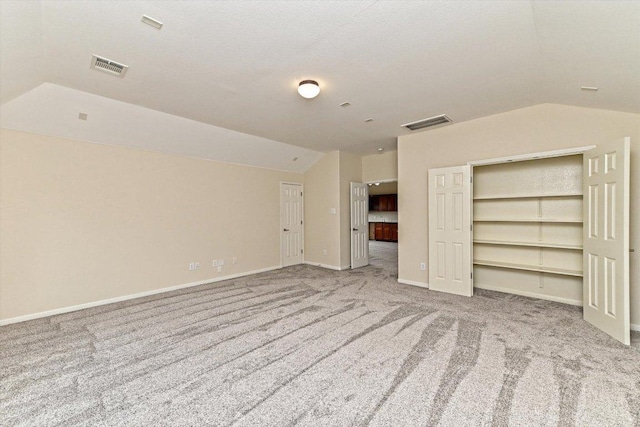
x,y
308,89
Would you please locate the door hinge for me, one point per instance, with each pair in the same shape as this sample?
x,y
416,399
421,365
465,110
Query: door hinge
x,y
471,227
472,275
301,251
300,222
471,179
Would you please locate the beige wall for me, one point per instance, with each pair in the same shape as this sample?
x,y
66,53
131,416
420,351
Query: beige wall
x,y
322,228
82,222
380,167
540,128
350,170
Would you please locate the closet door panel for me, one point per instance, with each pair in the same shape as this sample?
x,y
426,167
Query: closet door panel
x,y
606,238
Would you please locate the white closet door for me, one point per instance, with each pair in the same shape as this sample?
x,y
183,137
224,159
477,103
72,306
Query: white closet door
x,y
291,211
606,238
359,225
450,230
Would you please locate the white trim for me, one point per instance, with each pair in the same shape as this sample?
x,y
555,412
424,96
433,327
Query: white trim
x,y
530,294
128,297
635,327
532,156
329,266
414,283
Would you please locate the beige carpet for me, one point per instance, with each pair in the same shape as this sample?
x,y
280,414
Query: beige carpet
x,y
314,347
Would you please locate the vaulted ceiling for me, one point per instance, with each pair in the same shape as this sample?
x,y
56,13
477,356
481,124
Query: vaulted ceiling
x,y
236,65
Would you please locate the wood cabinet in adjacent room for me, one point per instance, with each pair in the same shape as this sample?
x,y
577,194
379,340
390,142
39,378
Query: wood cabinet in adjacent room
x,y
383,203
386,231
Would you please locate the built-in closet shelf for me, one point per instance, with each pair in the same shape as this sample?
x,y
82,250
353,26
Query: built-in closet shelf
x,y
557,220
528,196
533,244
538,268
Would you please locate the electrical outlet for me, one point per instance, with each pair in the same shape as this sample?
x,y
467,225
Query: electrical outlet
x,y
423,266
215,262
192,266
235,260
197,266
220,262
325,252
219,269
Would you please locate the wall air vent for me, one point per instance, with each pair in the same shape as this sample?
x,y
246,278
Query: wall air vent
x,y
108,66
425,123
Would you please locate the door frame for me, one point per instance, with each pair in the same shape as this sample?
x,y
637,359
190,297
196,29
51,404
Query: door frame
x,y
521,158
532,156
301,185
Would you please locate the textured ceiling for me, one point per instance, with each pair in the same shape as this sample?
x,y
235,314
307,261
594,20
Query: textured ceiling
x,y
236,64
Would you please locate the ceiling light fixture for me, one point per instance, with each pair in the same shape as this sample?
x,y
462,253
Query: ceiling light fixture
x,y
380,150
308,89
377,184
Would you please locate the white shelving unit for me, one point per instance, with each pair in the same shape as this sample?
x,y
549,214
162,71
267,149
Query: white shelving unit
x,y
528,228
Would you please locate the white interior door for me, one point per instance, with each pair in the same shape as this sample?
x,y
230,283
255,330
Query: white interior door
x,y
606,238
292,237
450,230
359,225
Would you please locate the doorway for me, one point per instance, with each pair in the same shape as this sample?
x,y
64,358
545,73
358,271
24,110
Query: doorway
x,y
383,225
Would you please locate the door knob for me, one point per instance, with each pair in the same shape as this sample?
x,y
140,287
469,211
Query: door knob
x,y
355,229
286,229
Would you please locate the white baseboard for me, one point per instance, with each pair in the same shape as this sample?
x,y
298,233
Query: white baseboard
x,y
529,294
635,327
329,266
414,283
128,297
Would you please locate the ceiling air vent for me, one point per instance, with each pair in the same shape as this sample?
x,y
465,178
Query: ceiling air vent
x,y
108,66
425,123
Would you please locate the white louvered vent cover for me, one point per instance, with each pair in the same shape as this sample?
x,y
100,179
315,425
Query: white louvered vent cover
x,y
108,66
425,123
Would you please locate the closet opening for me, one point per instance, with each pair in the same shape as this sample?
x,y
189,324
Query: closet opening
x,y
551,225
527,228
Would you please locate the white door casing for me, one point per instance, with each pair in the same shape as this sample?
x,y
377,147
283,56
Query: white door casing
x,y
291,224
359,225
605,186
450,260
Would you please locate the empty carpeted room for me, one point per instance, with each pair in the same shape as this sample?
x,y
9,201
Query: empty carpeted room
x,y
319,213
